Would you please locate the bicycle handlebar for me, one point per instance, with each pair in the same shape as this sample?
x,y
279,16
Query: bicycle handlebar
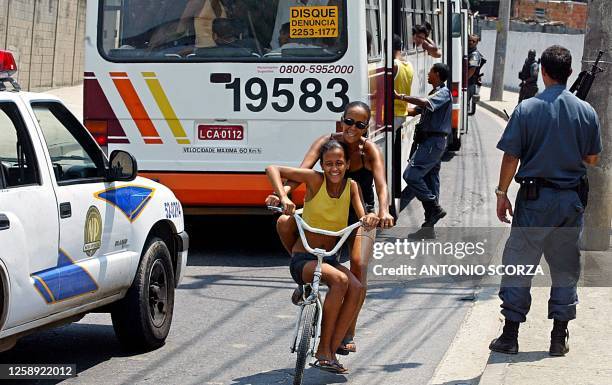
x,y
301,225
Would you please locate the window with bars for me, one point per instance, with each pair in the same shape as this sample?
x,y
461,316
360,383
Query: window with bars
x,y
415,12
373,28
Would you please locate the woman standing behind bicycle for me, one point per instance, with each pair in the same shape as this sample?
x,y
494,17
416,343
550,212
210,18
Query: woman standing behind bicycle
x,y
366,168
326,206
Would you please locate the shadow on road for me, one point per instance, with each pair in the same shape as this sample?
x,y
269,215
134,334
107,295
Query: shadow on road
x,y
85,345
285,377
234,241
534,356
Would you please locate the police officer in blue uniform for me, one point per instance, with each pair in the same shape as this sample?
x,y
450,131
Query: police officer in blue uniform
x,y
423,172
554,136
475,61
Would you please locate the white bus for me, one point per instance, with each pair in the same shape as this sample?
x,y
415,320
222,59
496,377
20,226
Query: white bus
x,y
205,117
457,58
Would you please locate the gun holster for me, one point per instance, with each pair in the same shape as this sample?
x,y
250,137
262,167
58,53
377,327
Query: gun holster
x,y
530,189
583,191
419,134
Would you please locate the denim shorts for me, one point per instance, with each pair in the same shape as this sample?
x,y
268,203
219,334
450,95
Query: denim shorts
x,y
299,260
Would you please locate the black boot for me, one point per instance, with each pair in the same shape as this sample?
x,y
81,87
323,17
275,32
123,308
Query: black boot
x,y
508,341
433,213
422,233
559,339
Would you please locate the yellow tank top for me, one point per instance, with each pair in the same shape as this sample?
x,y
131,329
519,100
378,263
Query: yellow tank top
x,y
402,83
327,213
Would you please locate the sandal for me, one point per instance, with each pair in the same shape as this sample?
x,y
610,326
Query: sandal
x,y
330,366
347,346
297,298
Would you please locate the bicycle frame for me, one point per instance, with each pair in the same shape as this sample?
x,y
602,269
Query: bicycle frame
x,y
320,254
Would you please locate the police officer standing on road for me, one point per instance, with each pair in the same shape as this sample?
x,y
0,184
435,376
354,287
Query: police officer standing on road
x,y
475,61
423,172
554,136
529,77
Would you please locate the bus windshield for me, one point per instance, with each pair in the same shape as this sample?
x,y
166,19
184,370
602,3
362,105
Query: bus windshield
x,y
222,30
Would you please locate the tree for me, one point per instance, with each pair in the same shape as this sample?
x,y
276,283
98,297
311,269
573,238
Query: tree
x,y
596,235
499,61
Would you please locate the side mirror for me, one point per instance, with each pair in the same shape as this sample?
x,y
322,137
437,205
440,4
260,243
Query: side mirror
x,y
123,167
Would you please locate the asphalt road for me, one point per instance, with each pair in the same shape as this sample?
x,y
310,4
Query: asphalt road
x,y
233,318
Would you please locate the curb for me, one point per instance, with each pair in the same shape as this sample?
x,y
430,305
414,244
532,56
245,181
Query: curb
x,y
468,359
493,109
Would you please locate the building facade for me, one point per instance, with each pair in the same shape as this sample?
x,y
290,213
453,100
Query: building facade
x,y
572,14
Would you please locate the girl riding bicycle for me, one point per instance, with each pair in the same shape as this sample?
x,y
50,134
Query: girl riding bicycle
x,y
366,168
328,198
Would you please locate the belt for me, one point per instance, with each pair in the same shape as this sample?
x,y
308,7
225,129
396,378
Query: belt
x,y
546,183
437,134
549,184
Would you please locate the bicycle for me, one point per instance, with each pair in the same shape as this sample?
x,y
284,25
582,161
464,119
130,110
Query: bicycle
x,y
310,312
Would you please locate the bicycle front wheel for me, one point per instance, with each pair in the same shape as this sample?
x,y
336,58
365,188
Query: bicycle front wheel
x,y
307,327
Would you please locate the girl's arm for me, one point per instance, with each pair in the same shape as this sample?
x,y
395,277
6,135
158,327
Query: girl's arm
x,y
310,159
370,220
378,170
300,175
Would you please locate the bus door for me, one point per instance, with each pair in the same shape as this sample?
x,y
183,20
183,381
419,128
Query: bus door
x,y
444,33
464,89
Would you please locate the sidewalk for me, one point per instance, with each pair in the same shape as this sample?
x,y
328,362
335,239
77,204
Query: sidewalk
x,y
510,101
468,361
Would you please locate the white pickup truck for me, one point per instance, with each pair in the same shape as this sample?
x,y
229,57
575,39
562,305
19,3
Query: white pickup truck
x,y
80,232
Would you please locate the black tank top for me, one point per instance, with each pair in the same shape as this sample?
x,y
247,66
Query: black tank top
x,y
365,180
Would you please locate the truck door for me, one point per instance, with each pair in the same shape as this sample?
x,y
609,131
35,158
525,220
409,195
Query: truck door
x,y
28,220
93,234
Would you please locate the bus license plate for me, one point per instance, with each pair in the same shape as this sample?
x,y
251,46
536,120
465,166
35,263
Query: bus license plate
x,y
220,132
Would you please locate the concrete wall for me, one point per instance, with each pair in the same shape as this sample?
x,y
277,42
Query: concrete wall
x,y
46,37
519,43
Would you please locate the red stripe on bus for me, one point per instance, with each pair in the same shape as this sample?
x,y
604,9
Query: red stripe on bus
x,y
97,108
153,141
235,190
136,108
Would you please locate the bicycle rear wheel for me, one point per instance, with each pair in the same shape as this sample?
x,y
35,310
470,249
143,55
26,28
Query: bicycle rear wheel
x,y
307,326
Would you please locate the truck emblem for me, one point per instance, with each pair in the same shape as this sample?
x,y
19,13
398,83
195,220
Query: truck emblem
x,y
93,231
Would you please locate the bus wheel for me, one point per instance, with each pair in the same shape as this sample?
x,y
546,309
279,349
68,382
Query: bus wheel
x,y
142,319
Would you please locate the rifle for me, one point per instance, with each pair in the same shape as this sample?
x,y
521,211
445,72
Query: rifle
x,y
582,85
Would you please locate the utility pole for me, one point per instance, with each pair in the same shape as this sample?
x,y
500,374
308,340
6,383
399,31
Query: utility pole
x,y
596,234
499,63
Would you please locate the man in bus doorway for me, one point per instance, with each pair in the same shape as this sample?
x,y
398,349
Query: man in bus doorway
x,y
402,84
423,172
420,36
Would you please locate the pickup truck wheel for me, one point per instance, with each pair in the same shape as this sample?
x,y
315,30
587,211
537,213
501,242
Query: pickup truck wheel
x,y
142,319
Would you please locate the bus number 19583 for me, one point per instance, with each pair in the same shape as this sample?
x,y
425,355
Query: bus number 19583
x,y
309,100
